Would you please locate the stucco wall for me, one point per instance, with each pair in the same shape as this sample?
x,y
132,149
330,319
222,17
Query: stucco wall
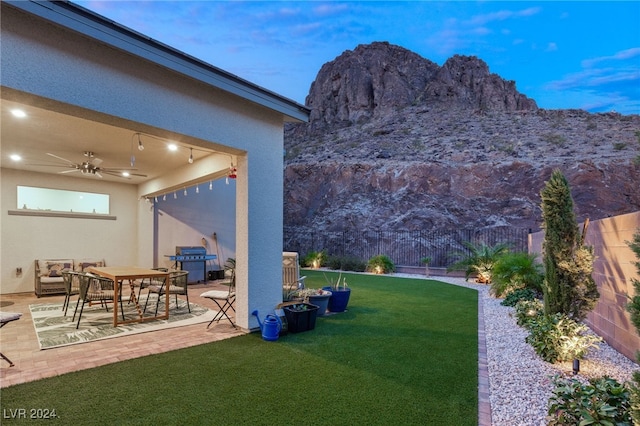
x,y
59,69
26,238
613,270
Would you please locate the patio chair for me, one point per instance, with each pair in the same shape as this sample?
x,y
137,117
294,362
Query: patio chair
x,y
145,283
224,299
95,289
177,285
291,279
6,318
71,287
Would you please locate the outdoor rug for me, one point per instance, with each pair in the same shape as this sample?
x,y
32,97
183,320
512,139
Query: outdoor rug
x,y
54,329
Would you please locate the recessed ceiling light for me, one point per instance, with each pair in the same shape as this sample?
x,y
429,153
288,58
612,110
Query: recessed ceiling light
x,y
15,157
172,147
18,113
125,174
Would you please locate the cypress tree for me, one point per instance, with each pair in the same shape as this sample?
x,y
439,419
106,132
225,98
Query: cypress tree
x,y
568,286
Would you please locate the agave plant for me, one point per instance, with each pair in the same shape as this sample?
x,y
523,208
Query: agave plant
x,y
479,261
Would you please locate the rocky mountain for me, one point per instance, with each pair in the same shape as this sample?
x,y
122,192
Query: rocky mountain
x,y
396,142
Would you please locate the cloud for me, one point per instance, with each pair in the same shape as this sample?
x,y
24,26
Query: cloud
x,y
502,15
551,47
619,56
613,79
458,34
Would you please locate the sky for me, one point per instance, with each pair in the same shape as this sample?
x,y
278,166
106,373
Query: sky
x,y
577,54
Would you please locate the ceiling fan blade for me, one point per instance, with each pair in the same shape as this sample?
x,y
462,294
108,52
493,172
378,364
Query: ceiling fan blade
x,y
96,161
49,165
118,169
69,171
137,174
110,173
60,158
97,173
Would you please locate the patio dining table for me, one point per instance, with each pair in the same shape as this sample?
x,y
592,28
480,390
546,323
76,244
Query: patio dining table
x,y
131,273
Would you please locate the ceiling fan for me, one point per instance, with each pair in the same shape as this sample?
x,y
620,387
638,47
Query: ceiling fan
x,y
92,167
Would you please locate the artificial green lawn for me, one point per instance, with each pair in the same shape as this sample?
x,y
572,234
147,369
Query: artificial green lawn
x,y
404,353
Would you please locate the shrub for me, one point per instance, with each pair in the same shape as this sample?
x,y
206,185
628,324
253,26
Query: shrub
x,y
603,401
516,270
315,259
380,264
568,286
634,309
528,310
559,338
517,295
480,261
346,263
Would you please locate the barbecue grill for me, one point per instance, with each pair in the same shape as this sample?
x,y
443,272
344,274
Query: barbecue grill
x,y
187,257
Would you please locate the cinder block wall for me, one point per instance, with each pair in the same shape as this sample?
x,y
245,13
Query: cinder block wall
x,y
612,271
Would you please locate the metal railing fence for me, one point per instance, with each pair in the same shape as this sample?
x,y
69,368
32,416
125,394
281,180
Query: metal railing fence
x,y
405,248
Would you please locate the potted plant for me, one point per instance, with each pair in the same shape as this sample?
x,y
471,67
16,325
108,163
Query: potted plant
x,y
315,296
340,294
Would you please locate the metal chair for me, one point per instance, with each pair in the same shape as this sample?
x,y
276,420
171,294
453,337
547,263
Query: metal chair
x,y
177,285
71,287
145,283
6,318
95,289
224,299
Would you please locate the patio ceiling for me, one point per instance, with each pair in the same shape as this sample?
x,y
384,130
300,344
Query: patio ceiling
x,y
44,131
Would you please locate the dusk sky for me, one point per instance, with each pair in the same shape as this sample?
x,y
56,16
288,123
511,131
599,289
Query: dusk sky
x,y
562,54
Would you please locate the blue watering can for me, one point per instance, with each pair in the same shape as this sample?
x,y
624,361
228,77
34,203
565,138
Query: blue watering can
x,y
270,327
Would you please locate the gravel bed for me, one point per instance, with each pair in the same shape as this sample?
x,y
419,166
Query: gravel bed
x,y
519,380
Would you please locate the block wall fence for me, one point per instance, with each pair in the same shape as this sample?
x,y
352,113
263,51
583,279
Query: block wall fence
x,y
613,271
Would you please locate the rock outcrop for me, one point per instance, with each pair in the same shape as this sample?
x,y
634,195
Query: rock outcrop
x,y
397,142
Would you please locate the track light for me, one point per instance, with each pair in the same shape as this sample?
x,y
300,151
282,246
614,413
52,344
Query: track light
x,y
140,146
191,156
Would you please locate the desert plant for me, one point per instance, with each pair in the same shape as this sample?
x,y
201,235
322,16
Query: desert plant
x,y
568,286
516,270
479,261
527,311
559,338
380,264
346,263
634,309
516,296
315,259
603,401
426,261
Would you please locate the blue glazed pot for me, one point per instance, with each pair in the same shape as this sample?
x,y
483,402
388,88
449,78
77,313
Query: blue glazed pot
x,y
339,300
